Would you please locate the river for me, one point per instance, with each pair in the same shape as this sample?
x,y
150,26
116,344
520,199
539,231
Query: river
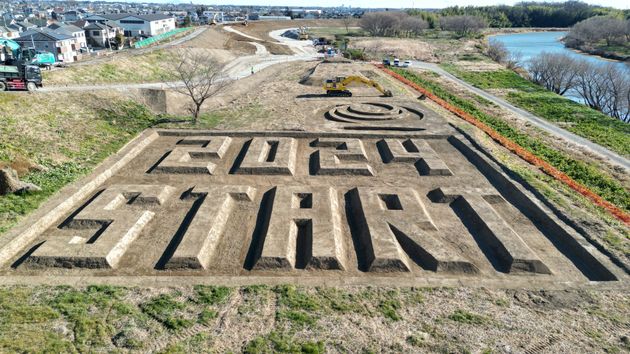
x,y
531,44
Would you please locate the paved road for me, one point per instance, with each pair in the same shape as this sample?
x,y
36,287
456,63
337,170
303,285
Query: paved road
x,y
183,39
541,123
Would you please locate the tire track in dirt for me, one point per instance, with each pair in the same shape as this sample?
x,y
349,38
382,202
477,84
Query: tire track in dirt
x,y
223,322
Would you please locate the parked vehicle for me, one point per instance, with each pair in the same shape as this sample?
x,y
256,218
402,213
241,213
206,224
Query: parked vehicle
x,y
386,62
396,62
406,64
11,52
20,77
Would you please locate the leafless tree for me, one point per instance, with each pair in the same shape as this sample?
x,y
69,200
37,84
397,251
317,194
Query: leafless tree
x,y
347,21
598,28
556,72
412,26
496,50
605,88
514,59
199,77
380,23
463,25
618,80
392,23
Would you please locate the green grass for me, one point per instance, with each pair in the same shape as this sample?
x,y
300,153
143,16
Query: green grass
x,y
577,118
167,310
148,67
466,317
97,319
212,295
276,342
69,142
112,128
586,174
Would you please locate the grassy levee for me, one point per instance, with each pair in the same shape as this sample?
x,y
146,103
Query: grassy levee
x,y
584,173
55,145
574,117
153,66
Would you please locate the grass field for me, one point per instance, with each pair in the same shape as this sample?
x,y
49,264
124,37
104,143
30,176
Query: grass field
x,y
121,68
68,139
289,319
575,117
588,175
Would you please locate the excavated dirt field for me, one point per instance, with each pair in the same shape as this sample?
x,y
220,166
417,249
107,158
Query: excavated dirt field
x,y
368,190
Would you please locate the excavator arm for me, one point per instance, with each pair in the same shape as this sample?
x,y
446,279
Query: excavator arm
x,y
339,86
365,81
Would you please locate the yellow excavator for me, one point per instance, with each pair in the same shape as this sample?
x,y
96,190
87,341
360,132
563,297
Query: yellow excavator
x,y
338,86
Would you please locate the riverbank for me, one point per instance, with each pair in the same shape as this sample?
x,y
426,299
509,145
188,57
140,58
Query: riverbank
x,y
513,30
531,44
599,52
547,44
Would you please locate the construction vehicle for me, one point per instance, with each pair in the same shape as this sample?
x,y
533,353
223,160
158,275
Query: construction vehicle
x,y
20,77
303,34
338,86
11,52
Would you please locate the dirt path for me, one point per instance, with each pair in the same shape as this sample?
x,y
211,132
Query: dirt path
x,y
233,30
239,68
533,119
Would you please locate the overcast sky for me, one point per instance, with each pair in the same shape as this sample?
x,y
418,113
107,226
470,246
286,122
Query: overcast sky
x,y
622,4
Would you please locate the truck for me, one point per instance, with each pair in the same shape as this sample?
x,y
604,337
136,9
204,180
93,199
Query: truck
x,y
11,51
20,77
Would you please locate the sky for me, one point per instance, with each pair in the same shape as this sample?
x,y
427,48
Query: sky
x,y
621,4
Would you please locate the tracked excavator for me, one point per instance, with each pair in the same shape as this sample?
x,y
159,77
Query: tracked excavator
x,y
338,87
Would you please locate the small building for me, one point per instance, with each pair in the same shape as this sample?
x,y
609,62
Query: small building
x,y
102,35
63,46
214,16
71,30
6,32
273,18
71,16
138,25
21,26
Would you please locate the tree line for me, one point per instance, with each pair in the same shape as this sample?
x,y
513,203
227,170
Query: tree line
x,y
470,20
535,14
608,30
604,87
401,24
392,24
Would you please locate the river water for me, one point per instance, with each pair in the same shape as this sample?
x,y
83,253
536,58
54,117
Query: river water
x,y
531,44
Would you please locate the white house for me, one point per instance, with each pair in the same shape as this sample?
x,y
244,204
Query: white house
x,y
138,25
102,34
63,46
70,30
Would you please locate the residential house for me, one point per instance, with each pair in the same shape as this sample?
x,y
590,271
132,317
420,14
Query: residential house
x,y
71,16
137,25
102,34
214,16
64,46
21,26
6,32
71,30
